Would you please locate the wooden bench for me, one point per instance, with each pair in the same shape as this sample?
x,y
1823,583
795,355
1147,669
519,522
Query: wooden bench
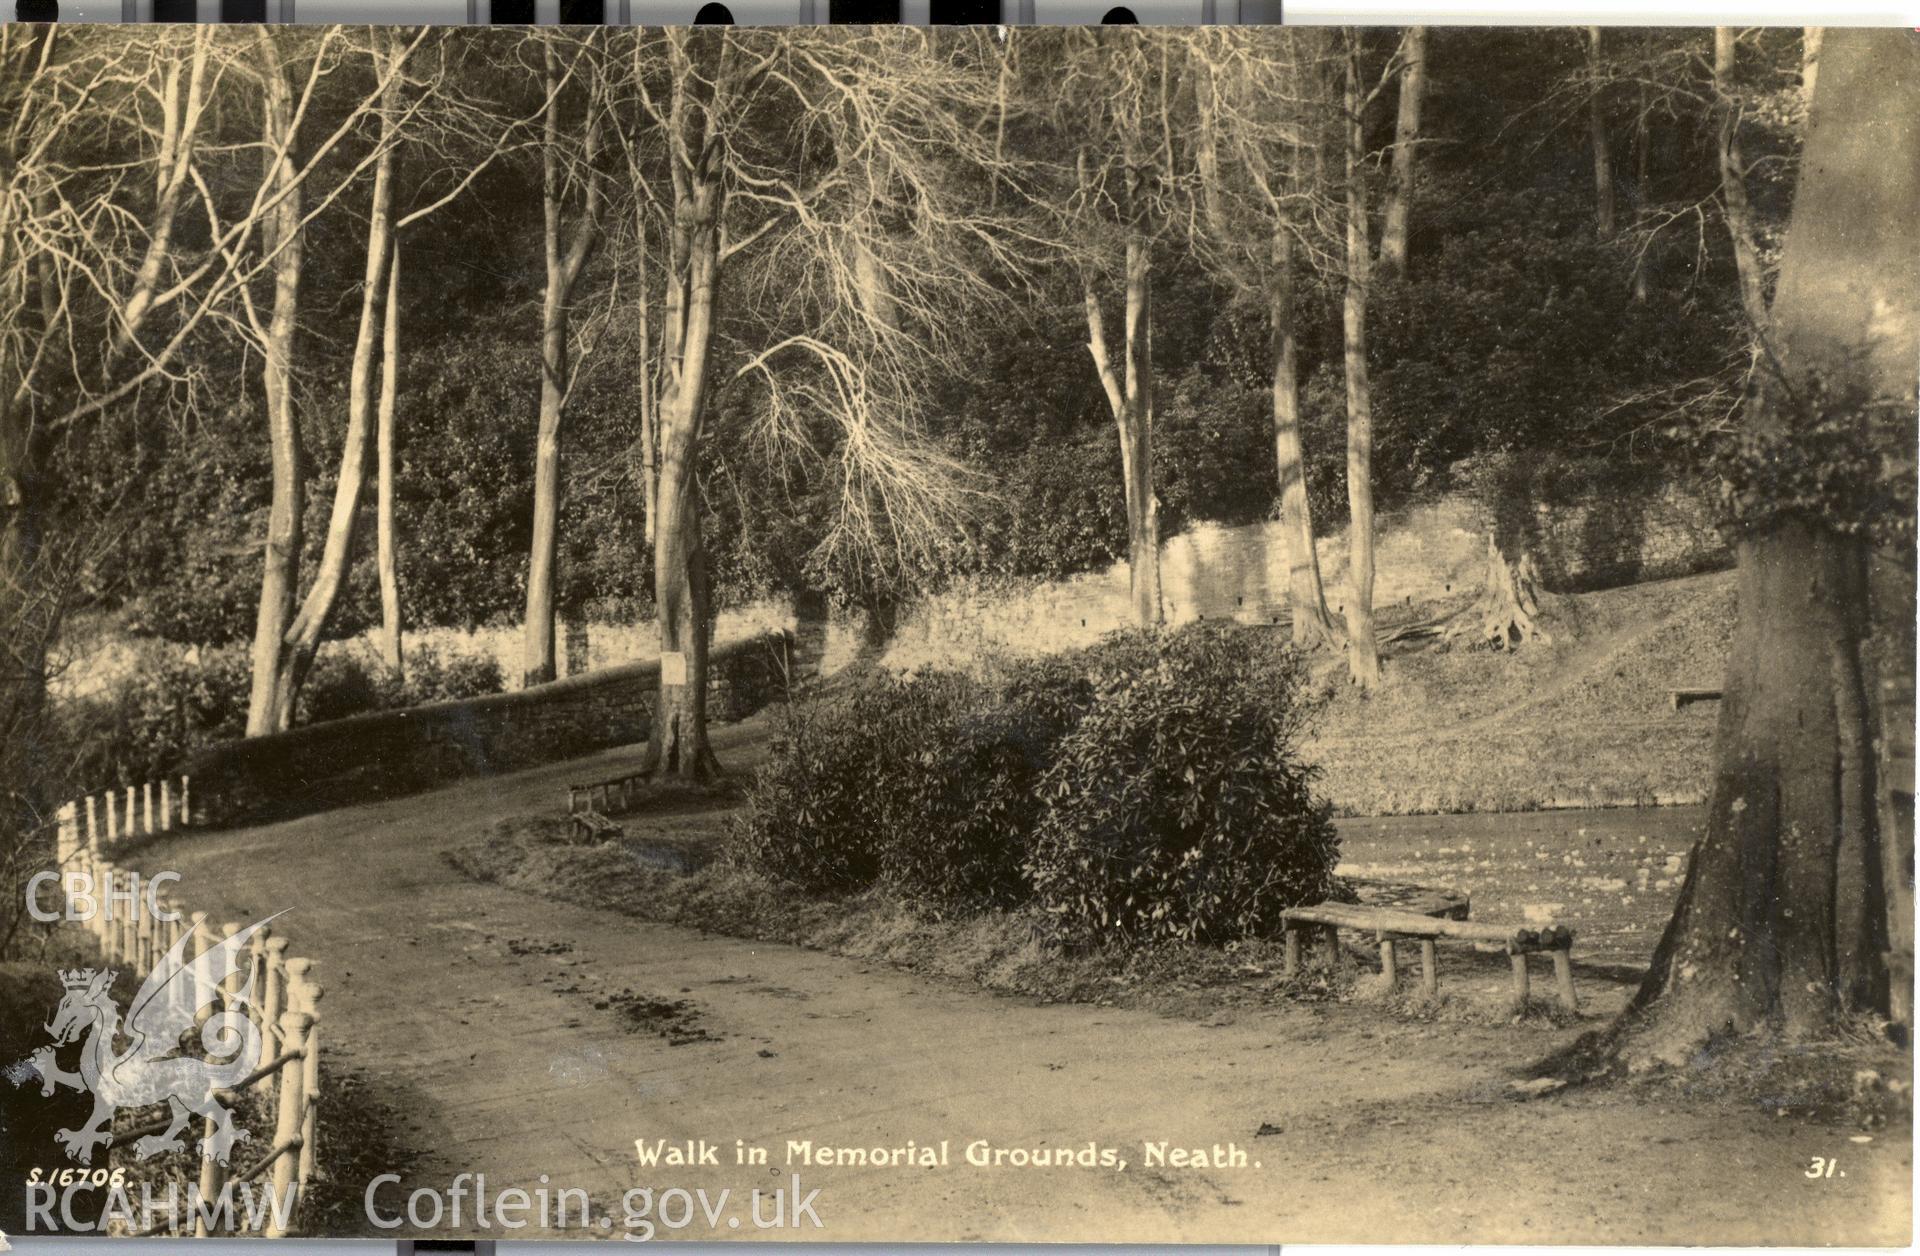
x,y
1686,697
1389,926
592,826
616,792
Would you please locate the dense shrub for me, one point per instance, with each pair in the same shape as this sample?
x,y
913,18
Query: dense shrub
x,y
955,813
972,794
928,783
1179,807
813,814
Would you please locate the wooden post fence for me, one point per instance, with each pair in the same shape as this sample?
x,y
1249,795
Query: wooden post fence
x,y
282,998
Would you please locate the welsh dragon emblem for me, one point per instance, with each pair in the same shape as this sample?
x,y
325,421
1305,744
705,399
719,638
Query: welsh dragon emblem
x,y
177,998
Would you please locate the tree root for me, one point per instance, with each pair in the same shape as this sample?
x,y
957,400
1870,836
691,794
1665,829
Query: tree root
x,y
1504,616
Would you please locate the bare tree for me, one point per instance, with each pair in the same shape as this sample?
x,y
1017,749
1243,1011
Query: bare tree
x,y
285,639
394,100
877,122
1363,650
97,299
1122,167
568,172
1735,206
386,543
1264,218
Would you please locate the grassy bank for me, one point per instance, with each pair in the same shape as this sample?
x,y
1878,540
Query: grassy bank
x,y
1583,721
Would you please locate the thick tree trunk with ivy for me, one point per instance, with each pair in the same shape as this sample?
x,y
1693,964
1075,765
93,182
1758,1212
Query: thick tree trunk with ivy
x,y
1312,624
1781,920
1506,613
1363,649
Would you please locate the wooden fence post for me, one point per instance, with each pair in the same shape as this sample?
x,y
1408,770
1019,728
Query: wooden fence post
x,y
291,1113
146,807
213,1177
1389,961
256,986
144,922
1520,980
118,924
93,826
113,827
90,869
186,807
128,827
231,985
275,1001
310,1082
166,804
198,938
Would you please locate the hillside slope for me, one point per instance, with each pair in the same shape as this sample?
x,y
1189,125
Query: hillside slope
x,y
1584,721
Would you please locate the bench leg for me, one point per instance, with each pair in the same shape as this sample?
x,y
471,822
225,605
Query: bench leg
x,y
1389,962
1563,978
1429,969
1520,988
1329,948
1291,966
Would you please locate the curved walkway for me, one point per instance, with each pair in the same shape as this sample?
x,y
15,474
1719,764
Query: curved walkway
x,y
519,1035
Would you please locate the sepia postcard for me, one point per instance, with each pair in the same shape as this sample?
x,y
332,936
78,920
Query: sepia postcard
x,y
890,633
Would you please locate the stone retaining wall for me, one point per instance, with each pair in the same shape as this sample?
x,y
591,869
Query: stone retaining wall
x,y
386,753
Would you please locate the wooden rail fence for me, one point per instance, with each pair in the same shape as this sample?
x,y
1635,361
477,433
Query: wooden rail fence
x,y
115,814
284,1004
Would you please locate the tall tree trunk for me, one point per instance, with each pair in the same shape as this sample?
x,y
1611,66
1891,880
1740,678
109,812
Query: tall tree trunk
x,y
1312,624
1781,919
677,744
281,237
564,261
1597,130
1143,504
1129,393
1363,651
649,439
1733,187
388,558
304,634
537,663
1406,138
